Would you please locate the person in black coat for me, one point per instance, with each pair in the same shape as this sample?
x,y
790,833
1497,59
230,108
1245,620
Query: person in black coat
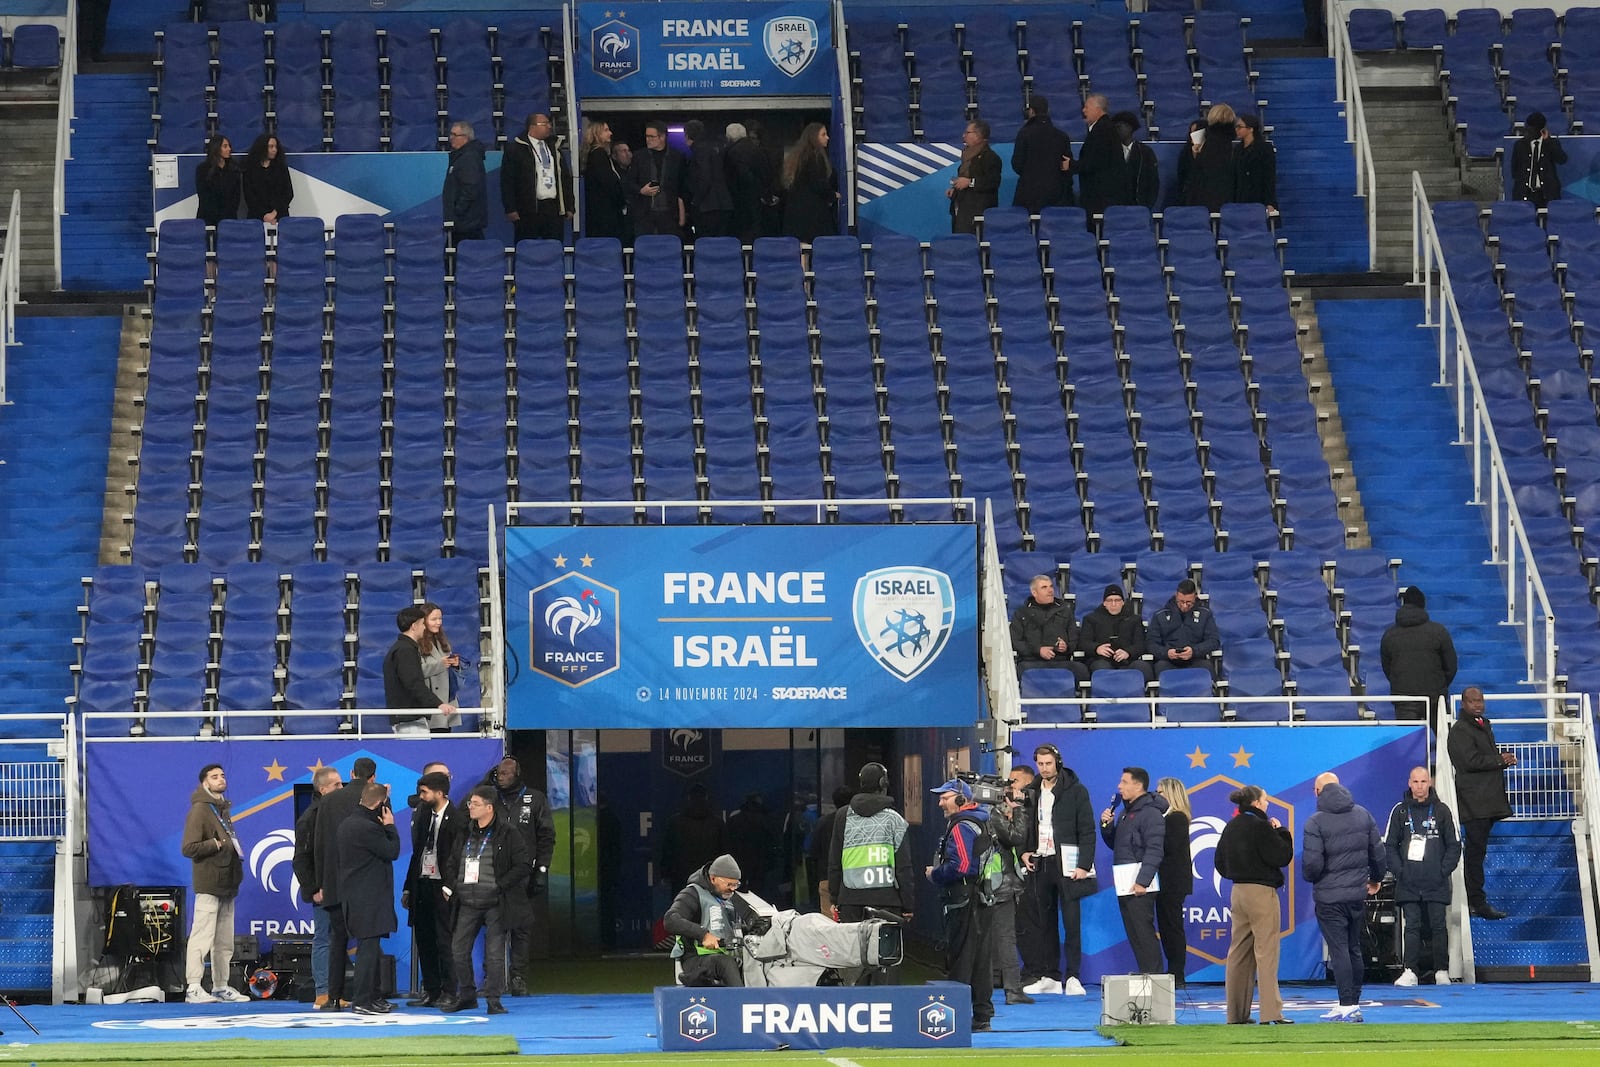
x,y
1418,658
656,184
326,780
1059,853
436,829
1177,878
405,688
1186,157
1251,853
268,189
1138,840
1141,175
536,183
1534,159
1099,162
976,186
1210,175
487,880
216,183
1112,637
750,182
811,208
1044,633
1423,849
1480,769
368,847
466,204
710,202
332,811
1255,166
1038,156
605,193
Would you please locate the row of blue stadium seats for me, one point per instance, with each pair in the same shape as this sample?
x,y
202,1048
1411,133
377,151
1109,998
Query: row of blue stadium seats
x,y
31,47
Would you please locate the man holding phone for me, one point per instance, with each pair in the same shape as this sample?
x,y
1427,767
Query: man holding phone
x,y
657,181
368,846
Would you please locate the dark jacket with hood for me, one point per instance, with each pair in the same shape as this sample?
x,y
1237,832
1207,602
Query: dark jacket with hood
x,y
1480,773
686,918
1343,850
1210,176
1419,659
1251,851
1124,630
305,850
902,896
1010,825
1139,836
957,866
1430,819
465,200
1072,819
508,852
332,810
1036,157
208,840
1195,628
367,851
1037,625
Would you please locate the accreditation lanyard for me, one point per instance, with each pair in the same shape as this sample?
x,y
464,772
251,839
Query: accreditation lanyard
x,y
227,828
469,876
1417,847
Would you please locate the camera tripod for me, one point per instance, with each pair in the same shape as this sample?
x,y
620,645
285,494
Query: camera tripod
x,y
18,1013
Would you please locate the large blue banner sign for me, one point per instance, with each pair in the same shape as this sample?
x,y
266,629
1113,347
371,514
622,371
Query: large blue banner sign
x,y
139,796
759,48
744,626
1374,762
935,1015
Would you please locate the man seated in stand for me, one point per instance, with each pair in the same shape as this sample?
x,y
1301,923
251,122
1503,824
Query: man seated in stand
x,y
702,921
1183,633
1043,632
1112,636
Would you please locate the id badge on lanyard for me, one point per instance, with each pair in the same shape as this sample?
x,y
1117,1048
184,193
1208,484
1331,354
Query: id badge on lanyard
x,y
469,876
430,864
1416,848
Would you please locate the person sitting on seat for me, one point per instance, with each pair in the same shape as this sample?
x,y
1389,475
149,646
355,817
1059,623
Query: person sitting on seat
x,y
702,920
1183,633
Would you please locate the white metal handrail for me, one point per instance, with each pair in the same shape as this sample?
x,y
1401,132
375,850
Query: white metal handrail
x,y
995,638
257,725
66,111
1347,89
497,628
10,284
820,505
1527,605
1034,707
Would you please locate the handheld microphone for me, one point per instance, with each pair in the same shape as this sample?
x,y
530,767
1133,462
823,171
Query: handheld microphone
x,y
1116,798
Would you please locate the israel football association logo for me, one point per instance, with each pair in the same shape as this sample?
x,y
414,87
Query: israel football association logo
x,y
574,632
791,43
614,50
904,616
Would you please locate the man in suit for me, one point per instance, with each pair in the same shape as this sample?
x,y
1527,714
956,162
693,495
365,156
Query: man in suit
x,y
436,827
535,183
368,847
332,810
1099,166
1040,157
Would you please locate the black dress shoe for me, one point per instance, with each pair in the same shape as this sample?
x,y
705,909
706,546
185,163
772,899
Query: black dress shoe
x,y
453,1004
1488,911
375,1008
981,1026
519,986
382,1005
495,1007
1276,1022
427,1000
1017,996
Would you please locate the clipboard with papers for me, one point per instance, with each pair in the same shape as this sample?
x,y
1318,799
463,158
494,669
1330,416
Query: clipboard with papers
x,y
1124,875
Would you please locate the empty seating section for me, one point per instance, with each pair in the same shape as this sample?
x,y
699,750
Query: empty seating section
x,y
1524,300
926,77
353,87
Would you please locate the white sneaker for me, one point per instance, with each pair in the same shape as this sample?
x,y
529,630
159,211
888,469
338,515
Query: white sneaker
x,y
1441,978
231,995
1073,988
1043,985
1337,1014
196,995
1407,978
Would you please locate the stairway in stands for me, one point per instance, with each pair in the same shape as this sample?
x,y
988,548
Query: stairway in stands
x,y
1322,217
108,185
1414,483
1532,873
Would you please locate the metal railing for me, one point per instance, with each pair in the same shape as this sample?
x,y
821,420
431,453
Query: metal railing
x,y
1527,605
994,640
1037,711
819,506
496,692
42,800
1347,89
10,284
66,111
268,724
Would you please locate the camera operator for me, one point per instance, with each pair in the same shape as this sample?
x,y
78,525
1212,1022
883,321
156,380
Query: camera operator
x,y
869,863
1009,821
703,923
967,911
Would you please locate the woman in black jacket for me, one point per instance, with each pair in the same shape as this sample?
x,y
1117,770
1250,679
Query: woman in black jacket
x,y
1252,853
1177,878
267,186
216,183
809,210
1533,163
605,194
1255,166
1211,169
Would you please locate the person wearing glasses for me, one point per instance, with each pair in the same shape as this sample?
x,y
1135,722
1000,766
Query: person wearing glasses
x,y
657,184
535,183
1255,166
463,196
485,879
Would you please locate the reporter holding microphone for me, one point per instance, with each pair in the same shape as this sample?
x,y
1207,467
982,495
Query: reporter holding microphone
x,y
1137,841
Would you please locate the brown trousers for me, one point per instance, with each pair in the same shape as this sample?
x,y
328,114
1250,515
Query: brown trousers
x,y
1253,955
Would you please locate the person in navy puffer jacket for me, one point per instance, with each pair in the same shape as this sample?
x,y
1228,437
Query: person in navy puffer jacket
x,y
1344,861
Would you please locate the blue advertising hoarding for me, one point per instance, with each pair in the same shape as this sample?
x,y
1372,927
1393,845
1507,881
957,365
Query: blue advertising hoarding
x,y
705,49
744,626
934,1015
1373,762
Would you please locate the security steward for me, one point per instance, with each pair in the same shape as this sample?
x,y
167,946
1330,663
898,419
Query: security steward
x,y
869,862
702,922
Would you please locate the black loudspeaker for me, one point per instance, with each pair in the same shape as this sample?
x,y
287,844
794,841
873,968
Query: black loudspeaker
x,y
290,960
1380,941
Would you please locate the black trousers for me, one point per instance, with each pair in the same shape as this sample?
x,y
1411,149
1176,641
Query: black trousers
x,y
430,921
1341,922
968,955
338,944
369,954
854,913
542,224
1059,941
715,969
469,920
1139,922
1174,936
520,939
1424,921
1475,846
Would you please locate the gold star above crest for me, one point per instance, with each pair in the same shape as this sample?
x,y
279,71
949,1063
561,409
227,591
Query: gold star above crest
x,y
560,561
586,559
1197,758
275,771
315,767
1241,758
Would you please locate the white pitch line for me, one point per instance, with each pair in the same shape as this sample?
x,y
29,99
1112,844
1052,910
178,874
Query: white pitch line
x,y
840,1061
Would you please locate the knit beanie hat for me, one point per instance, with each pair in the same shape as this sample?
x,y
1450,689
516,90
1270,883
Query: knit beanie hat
x,y
724,866
1413,597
